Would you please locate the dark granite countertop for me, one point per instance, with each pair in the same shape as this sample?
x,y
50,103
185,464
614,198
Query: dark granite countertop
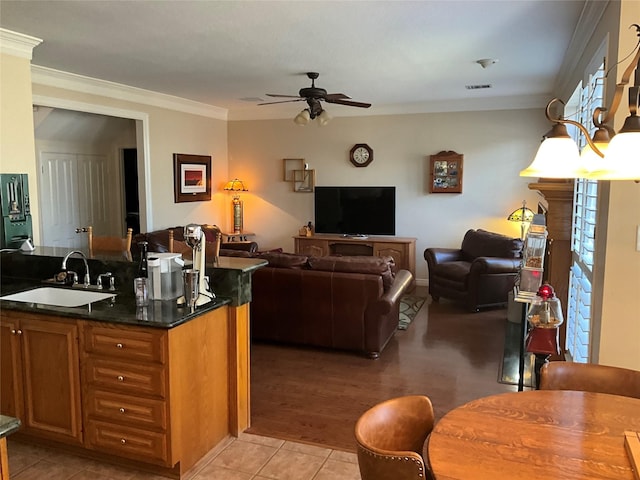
x,y
119,309
230,279
8,425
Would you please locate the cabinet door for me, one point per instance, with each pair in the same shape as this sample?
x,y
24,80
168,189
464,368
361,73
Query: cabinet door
x,y
395,250
11,399
312,247
51,379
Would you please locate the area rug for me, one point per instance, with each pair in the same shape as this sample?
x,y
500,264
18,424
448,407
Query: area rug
x,y
409,307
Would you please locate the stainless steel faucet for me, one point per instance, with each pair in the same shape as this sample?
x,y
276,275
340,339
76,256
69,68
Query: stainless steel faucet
x,y
87,279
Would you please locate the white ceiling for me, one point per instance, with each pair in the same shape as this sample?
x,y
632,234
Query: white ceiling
x,y
407,56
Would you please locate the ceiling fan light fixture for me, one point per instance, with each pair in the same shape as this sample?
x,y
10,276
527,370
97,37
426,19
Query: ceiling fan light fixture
x,y
324,118
302,118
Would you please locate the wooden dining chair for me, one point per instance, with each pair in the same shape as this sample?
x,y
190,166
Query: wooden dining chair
x,y
109,244
589,377
391,438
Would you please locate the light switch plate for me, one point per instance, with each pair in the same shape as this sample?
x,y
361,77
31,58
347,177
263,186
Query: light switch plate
x,y
638,239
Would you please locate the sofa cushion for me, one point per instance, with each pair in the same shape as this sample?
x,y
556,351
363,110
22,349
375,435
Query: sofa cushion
x,y
481,243
284,260
383,266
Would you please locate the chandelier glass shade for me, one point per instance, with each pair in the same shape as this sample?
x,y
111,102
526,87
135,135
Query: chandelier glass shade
x,y
608,156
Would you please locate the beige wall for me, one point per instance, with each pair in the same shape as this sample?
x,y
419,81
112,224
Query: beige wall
x,y
496,145
17,143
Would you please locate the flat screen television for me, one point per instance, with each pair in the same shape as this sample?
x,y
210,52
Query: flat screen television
x,y
355,210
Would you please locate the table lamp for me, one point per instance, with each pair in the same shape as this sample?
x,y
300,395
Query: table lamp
x,y
522,215
236,186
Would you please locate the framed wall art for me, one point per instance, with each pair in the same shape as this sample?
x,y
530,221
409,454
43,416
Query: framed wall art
x,y
191,178
445,172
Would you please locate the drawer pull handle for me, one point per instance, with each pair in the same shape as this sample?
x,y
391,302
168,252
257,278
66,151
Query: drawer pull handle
x,y
123,441
120,378
121,409
119,345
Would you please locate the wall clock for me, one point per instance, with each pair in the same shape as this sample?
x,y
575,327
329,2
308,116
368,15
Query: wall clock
x,y
361,155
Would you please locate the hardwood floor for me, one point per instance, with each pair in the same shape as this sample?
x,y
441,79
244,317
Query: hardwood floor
x,y
315,396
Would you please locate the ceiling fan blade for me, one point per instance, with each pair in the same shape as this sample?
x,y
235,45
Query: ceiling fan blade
x,y
283,101
336,96
350,103
276,95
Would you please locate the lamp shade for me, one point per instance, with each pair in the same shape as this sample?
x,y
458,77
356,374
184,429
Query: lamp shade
x,y
557,157
622,159
324,118
302,118
522,214
235,185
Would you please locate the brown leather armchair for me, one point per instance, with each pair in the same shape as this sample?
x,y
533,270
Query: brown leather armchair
x,y
479,274
391,438
588,377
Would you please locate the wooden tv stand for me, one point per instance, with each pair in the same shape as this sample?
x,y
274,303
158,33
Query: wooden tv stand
x,y
402,249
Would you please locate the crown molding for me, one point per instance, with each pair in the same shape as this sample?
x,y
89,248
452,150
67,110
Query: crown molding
x,y
79,83
17,44
591,15
520,102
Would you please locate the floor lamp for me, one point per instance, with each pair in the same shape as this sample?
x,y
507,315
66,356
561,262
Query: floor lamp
x,y
523,215
236,186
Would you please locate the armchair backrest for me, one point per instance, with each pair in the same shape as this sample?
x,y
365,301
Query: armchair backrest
x,y
481,243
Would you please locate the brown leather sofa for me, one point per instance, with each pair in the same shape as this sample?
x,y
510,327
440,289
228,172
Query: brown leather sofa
x,y
346,303
158,241
479,274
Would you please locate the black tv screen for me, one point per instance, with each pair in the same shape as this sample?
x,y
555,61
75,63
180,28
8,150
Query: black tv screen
x,y
355,210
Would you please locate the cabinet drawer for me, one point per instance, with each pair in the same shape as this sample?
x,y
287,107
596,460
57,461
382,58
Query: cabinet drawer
x,y
128,409
147,345
131,442
125,377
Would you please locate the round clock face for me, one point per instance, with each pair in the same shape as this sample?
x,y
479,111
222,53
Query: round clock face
x,y
361,155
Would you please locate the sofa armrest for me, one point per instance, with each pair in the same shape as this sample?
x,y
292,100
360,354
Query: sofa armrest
x,y
400,284
435,256
494,265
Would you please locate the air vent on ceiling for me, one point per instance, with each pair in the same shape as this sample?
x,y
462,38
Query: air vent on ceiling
x,y
478,87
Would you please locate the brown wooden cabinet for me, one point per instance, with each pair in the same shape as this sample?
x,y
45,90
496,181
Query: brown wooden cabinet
x,y
41,376
155,395
402,249
152,395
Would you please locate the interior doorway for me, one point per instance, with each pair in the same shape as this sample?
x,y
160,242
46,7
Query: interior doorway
x,y
130,180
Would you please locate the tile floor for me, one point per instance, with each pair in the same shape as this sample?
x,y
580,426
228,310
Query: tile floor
x,y
248,457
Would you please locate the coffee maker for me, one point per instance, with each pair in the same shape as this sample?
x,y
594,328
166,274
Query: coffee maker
x,y
16,211
194,237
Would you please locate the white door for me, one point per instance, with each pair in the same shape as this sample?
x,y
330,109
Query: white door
x,y
77,190
60,212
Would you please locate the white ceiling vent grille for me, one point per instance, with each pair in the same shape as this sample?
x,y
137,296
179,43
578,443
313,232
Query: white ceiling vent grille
x,y
478,87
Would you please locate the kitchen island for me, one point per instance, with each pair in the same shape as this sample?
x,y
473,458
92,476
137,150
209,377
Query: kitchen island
x,y
155,387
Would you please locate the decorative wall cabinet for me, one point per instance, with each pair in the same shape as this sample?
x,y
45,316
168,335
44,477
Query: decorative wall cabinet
x,y
445,172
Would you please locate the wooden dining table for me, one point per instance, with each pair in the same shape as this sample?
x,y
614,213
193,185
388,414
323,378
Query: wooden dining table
x,y
536,435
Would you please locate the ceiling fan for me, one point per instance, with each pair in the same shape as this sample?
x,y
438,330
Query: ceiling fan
x,y
314,95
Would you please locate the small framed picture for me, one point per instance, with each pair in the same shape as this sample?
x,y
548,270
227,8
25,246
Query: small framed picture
x,y
445,172
191,177
290,166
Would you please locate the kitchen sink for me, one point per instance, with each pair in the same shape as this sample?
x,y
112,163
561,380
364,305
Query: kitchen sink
x,y
59,297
